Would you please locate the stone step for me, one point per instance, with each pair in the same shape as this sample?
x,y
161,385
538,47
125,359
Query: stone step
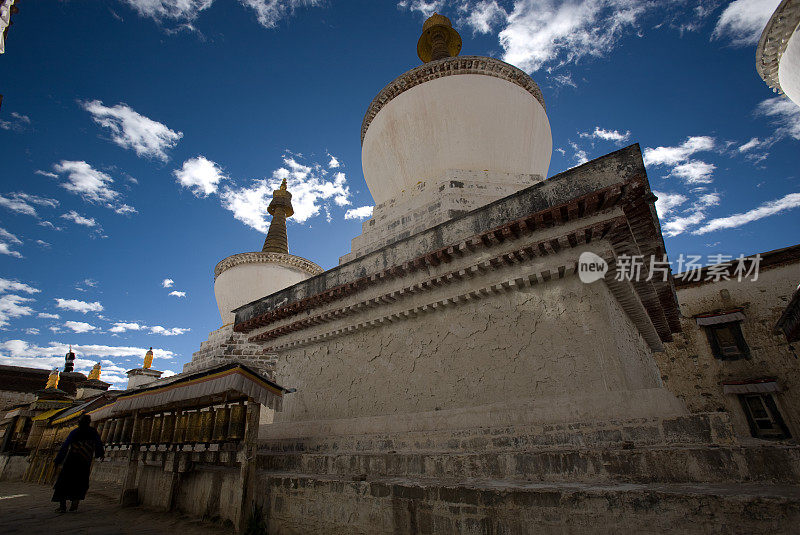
x,y
310,504
665,464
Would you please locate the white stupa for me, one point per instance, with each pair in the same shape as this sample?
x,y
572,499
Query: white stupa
x,y
778,52
245,277
447,137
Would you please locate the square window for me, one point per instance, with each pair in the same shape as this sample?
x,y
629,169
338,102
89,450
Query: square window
x,y
763,416
727,342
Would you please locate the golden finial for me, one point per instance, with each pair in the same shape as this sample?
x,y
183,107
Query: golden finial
x,y
148,359
95,373
438,40
52,379
283,185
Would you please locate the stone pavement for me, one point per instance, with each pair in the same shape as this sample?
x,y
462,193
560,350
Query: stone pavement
x,y
25,508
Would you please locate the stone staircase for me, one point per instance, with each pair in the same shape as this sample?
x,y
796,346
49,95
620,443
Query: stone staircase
x,y
224,346
686,474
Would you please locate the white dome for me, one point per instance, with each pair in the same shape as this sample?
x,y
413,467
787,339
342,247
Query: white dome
x,y
468,113
245,277
778,51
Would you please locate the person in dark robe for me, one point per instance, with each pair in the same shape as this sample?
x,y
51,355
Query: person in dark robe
x,y
82,445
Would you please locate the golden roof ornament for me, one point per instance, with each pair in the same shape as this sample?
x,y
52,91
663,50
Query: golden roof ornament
x,y
438,40
148,359
95,373
280,208
52,379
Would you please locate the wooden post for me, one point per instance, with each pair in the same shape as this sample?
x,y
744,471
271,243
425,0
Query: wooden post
x,y
247,451
129,496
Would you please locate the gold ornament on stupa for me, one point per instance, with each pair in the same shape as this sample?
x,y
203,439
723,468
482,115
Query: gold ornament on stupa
x,y
148,359
438,40
52,379
95,373
280,209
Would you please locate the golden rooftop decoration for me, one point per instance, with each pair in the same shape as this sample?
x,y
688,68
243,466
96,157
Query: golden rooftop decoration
x,y
95,373
280,208
438,40
52,379
148,359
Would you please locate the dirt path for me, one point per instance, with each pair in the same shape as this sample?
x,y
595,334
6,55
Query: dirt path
x,y
25,508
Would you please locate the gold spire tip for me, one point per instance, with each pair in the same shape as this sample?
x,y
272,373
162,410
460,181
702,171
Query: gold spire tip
x,y
439,39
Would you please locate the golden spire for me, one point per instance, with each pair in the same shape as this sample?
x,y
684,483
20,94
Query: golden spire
x,y
52,379
148,359
95,373
280,208
438,40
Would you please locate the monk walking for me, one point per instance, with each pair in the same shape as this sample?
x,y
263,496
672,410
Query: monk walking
x,y
76,453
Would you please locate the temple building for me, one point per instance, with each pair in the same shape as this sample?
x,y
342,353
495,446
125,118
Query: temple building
x,y
778,52
483,360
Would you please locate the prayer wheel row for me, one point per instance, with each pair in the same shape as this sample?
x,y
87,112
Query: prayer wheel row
x,y
177,427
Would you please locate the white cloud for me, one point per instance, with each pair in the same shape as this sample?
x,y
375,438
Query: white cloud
x,y
743,21
538,32
174,331
694,172
45,173
689,170
92,185
184,12
362,212
426,7
485,15
7,241
200,175
667,202
785,115
47,315
121,327
32,331
18,122
176,293
269,12
79,326
675,155
78,306
167,283
7,285
753,143
131,130
767,209
333,163
607,135
692,216
12,306
310,187
23,203
580,155
78,219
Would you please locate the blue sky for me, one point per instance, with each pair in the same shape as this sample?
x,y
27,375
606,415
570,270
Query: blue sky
x,y
141,139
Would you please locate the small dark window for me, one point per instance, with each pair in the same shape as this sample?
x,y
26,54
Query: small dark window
x,y
763,416
727,342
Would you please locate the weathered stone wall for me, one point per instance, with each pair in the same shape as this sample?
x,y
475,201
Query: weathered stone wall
x,y
13,467
550,341
299,505
224,346
689,369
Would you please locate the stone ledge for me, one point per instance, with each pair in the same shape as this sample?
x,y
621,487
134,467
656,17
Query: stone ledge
x,y
267,258
773,42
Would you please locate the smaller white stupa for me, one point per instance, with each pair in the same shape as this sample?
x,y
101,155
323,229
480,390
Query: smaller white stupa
x,y
245,277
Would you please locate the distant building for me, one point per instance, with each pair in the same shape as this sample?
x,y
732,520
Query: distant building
x,y
737,351
778,52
